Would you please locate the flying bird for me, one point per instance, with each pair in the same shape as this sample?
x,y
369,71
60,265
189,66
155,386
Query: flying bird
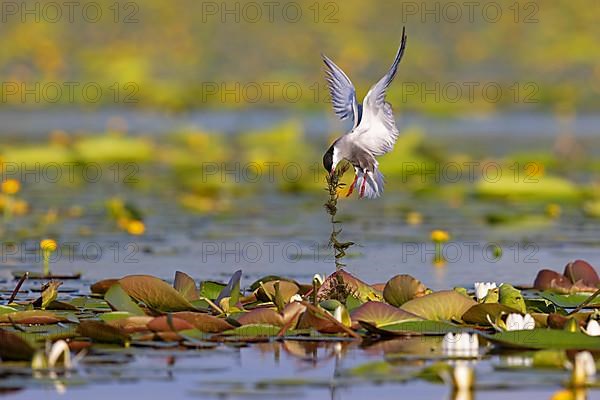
x,y
374,132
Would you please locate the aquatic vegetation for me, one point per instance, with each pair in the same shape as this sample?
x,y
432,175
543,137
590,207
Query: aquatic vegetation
x,y
482,289
333,187
10,205
139,311
579,276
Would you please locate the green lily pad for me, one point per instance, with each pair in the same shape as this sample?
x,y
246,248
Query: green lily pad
x,y
155,293
478,314
7,309
32,317
254,331
380,314
445,305
545,339
119,300
403,288
211,289
569,300
115,315
429,328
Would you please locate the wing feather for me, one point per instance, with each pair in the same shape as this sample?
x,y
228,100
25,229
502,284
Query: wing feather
x,y
377,130
343,94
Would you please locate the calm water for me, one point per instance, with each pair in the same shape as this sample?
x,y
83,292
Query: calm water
x,y
286,235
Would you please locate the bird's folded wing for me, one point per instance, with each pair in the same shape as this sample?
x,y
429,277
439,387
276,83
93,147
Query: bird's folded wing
x,y
377,130
343,94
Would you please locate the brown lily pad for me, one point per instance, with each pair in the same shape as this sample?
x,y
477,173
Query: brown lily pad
x,y
13,348
168,323
204,322
582,271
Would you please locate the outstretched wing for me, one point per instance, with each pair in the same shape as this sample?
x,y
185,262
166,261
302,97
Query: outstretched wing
x,y
377,130
343,94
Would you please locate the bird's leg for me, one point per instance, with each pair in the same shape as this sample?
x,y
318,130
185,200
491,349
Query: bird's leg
x,y
352,185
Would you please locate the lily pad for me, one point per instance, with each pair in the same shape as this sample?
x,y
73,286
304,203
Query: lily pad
x,y
380,314
330,289
261,316
32,317
7,309
204,322
115,315
211,289
119,300
267,291
411,328
168,323
254,331
103,333
186,285
232,289
13,348
155,293
545,339
102,286
582,271
569,300
478,314
445,305
403,288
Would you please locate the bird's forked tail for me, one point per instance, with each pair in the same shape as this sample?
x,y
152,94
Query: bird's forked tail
x,y
369,184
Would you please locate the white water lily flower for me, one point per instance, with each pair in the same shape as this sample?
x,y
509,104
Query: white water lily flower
x,y
319,278
518,361
50,357
337,313
463,377
592,328
295,297
461,344
60,348
584,368
518,322
482,288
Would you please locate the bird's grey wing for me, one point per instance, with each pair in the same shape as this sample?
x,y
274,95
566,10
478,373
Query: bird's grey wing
x,y
343,94
377,130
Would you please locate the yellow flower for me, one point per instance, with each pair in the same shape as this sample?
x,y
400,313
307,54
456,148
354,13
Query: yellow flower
x,y
439,236
136,228
414,218
11,186
439,262
48,245
20,207
123,222
553,210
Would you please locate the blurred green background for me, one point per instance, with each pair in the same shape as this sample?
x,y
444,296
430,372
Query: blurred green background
x,y
185,54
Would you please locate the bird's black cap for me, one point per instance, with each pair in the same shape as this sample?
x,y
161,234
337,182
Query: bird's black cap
x,y
328,159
